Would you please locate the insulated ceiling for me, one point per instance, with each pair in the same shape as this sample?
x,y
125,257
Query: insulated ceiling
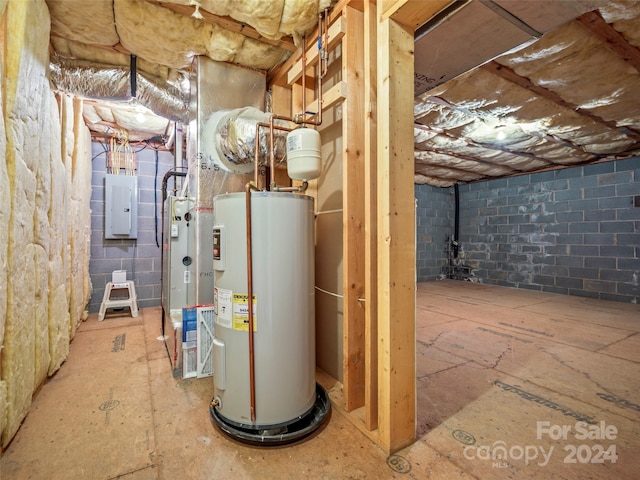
x,y
165,37
566,93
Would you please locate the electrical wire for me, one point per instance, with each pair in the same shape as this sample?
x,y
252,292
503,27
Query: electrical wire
x,y
329,293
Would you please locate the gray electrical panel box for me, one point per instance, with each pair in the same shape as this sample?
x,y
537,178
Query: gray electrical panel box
x,y
120,206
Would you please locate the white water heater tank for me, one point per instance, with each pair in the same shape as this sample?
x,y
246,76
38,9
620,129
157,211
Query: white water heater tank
x,y
304,161
284,308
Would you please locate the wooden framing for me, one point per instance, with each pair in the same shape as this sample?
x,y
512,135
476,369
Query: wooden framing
x,y
353,211
378,217
370,215
412,13
396,239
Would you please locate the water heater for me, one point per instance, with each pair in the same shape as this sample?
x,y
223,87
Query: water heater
x,y
287,402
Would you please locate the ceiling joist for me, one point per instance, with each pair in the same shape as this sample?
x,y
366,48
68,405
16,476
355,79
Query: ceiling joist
x,y
508,74
594,22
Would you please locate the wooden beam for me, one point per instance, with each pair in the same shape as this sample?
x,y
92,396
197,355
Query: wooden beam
x,y
613,39
412,13
335,94
370,215
227,23
353,211
396,238
511,76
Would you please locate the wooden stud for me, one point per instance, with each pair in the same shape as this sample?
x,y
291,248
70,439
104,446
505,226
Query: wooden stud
x,y
335,94
396,238
370,219
353,211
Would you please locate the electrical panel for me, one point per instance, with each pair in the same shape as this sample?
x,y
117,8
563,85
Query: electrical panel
x,y
121,206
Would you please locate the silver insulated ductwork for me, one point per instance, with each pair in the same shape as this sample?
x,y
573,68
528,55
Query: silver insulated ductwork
x,y
111,82
230,139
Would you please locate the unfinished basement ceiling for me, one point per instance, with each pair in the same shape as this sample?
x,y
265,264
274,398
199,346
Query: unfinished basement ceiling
x,y
566,93
93,42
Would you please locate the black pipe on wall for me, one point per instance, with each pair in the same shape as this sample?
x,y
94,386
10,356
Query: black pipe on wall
x,y
456,230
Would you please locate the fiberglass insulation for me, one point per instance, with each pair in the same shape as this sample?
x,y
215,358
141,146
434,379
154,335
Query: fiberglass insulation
x,y
102,31
43,294
4,238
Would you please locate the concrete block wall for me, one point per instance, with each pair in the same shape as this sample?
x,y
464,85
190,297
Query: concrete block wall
x,y
141,257
434,226
574,231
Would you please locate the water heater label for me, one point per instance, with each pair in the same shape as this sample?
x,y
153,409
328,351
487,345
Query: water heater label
x,y
241,312
224,306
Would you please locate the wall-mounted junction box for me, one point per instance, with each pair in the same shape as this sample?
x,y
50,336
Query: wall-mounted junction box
x,y
120,206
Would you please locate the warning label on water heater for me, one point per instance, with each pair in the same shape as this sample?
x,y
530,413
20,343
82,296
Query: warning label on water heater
x,y
240,316
223,306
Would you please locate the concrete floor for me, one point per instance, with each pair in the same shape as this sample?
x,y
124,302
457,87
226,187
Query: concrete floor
x,y
504,378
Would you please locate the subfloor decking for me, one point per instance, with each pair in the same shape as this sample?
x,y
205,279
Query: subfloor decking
x,y
504,377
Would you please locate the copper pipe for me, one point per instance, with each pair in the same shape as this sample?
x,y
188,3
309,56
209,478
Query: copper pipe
x,y
324,36
325,42
300,188
272,160
252,367
304,77
272,156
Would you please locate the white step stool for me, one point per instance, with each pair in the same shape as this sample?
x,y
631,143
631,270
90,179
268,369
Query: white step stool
x,y
107,302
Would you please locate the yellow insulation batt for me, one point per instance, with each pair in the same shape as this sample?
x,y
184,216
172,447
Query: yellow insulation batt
x,y
36,315
59,317
563,56
80,211
271,19
76,151
223,45
76,20
5,198
261,15
183,37
23,67
82,30
623,14
104,56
